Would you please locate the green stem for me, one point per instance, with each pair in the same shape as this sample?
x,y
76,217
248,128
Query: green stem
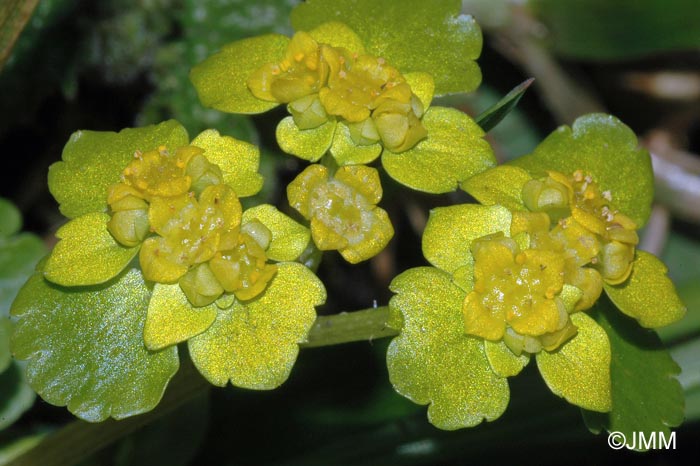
x,y
79,439
367,324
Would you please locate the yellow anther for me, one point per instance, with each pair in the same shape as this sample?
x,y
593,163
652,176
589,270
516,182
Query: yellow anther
x,y
299,57
520,259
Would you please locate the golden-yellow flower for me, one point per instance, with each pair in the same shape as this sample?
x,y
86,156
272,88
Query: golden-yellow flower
x,y
343,210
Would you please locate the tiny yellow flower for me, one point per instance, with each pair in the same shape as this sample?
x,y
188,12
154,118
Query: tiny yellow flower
x,y
343,210
366,93
517,296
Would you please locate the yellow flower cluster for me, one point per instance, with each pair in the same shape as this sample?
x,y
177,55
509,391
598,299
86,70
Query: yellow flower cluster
x,y
343,210
319,82
199,240
560,252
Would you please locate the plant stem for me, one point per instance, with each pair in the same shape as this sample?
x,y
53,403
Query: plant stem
x,y
367,324
79,439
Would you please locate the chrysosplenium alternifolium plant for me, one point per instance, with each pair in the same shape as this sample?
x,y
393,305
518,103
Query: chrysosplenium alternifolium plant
x,y
159,251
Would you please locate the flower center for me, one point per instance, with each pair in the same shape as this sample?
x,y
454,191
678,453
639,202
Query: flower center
x,y
189,226
517,296
577,203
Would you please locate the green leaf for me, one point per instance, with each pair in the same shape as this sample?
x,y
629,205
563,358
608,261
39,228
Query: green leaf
x,y
646,396
18,256
648,295
453,151
450,231
412,35
501,185
607,149
307,144
94,160
625,29
434,361
10,218
289,238
5,332
87,254
346,152
16,396
239,161
171,318
579,370
221,80
254,344
498,111
85,347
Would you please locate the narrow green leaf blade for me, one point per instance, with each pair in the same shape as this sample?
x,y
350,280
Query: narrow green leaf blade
x,y
498,111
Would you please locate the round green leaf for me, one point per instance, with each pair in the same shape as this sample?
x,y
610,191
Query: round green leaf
x,y
10,218
346,152
450,231
646,395
254,344
412,35
94,160
289,238
453,152
500,185
87,254
307,144
221,80
607,149
171,318
238,160
579,370
85,347
648,295
434,361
